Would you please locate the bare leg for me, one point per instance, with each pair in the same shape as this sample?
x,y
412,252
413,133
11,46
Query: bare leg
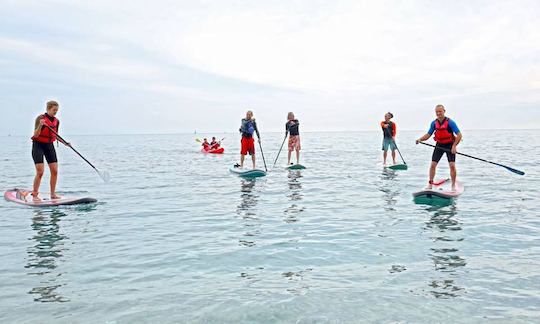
x,y
40,169
385,153
289,157
432,171
54,178
297,156
394,156
242,160
253,159
453,175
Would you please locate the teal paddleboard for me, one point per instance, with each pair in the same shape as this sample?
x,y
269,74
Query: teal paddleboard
x,y
440,193
247,173
398,167
295,167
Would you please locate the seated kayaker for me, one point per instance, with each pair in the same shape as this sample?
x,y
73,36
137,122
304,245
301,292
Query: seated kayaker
x,y
214,144
206,145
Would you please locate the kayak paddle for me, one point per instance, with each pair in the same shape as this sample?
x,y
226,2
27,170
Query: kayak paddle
x,y
104,175
479,159
280,149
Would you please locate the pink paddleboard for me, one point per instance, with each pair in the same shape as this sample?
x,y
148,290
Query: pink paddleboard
x,y
24,197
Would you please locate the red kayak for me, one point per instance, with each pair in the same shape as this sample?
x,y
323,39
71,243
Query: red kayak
x,y
215,151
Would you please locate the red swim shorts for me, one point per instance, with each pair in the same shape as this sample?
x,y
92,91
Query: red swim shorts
x,y
248,146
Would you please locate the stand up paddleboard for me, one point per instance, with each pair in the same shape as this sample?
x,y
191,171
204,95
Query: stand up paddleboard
x,y
400,166
295,167
440,193
247,173
24,197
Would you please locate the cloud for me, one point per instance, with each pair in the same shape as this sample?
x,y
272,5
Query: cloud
x,y
353,57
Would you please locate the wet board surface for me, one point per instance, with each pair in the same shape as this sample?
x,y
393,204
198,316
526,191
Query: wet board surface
x,y
442,190
398,167
247,173
295,167
24,197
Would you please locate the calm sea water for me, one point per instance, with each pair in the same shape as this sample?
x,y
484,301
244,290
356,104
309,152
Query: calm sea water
x,y
176,238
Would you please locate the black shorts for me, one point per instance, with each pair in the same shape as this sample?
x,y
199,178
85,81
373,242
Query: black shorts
x,y
39,150
438,153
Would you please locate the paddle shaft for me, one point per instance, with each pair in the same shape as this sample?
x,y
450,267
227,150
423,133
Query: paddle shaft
x,y
397,148
74,150
262,153
479,159
280,148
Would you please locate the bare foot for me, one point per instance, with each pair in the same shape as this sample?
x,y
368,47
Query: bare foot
x,y
35,197
453,188
55,196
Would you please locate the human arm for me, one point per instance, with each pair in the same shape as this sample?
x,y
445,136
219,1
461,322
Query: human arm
x,y
256,130
428,134
38,126
455,129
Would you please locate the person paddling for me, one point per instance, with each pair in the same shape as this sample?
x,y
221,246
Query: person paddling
x,y
389,136
205,145
291,127
247,129
42,146
447,136
214,144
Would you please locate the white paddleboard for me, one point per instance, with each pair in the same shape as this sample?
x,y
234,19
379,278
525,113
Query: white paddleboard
x,y
442,189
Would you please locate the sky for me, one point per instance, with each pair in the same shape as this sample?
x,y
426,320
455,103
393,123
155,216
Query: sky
x,y
123,67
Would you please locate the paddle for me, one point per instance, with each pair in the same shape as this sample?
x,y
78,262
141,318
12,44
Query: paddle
x,y
280,149
103,175
399,151
479,159
262,153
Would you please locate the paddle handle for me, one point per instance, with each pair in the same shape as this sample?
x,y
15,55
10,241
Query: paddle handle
x,y
479,159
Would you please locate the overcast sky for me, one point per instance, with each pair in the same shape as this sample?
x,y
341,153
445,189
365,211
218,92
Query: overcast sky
x,y
175,66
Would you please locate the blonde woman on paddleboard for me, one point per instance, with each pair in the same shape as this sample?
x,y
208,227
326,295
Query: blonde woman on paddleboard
x,y
43,148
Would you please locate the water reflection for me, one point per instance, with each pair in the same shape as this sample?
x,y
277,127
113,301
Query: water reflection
x,y
389,188
45,255
247,211
446,233
295,196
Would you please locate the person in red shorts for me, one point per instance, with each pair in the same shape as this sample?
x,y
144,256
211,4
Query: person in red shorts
x,y
248,128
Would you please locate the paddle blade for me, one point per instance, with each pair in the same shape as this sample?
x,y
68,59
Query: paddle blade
x,y
197,140
105,176
514,170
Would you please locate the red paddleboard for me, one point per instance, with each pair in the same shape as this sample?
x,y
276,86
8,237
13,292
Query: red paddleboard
x,y
24,197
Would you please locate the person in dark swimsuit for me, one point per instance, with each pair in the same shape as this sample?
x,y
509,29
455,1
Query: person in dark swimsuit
x,y
43,147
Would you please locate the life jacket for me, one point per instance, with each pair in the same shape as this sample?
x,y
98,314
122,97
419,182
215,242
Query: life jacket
x,y
46,136
443,135
387,132
248,127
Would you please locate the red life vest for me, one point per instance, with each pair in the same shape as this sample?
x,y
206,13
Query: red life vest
x,y
443,135
46,136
